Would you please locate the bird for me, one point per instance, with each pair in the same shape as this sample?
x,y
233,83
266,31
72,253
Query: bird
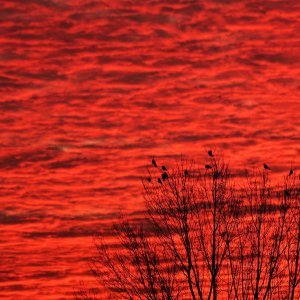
x,y
159,181
287,193
154,163
266,167
149,179
208,167
291,172
164,176
210,153
164,168
186,172
216,174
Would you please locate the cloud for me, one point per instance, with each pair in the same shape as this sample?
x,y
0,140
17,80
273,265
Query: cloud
x,y
30,156
91,91
10,219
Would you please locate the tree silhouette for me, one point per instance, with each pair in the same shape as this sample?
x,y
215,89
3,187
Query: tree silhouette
x,y
206,235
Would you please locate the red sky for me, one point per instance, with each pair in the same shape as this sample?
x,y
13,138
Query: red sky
x,y
91,90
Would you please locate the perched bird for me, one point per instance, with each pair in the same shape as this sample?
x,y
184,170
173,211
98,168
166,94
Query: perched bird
x,y
210,153
159,181
287,193
216,174
164,168
154,163
208,167
186,172
291,172
266,167
164,176
149,179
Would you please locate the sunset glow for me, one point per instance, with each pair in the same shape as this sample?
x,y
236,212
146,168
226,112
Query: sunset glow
x,y
92,90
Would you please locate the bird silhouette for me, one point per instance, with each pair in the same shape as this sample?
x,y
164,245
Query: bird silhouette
x,y
164,168
159,181
216,174
287,193
266,167
291,172
149,179
164,176
186,172
210,153
208,167
154,163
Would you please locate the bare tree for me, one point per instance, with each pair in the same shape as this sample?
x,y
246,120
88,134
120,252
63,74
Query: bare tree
x,y
138,269
292,250
206,237
260,248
